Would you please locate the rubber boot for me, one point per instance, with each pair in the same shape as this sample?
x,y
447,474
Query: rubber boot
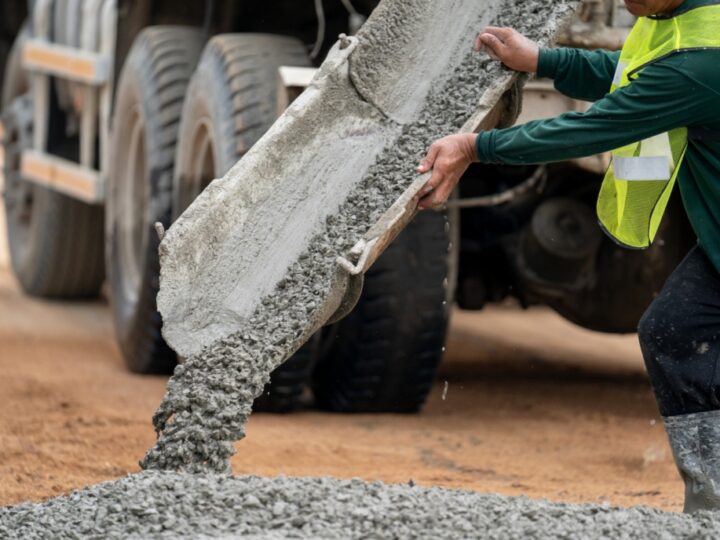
x,y
695,442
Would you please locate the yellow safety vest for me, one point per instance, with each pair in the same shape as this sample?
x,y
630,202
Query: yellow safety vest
x,y
641,176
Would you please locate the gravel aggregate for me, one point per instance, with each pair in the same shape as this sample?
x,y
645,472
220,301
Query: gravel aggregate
x,y
155,504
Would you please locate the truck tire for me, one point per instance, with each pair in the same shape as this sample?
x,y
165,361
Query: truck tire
x,y
148,104
231,102
55,241
384,355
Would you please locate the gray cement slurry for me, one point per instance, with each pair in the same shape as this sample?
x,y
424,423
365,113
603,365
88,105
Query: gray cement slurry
x,y
210,396
175,505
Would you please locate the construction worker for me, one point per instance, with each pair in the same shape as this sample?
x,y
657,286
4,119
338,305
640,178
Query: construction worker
x,y
657,109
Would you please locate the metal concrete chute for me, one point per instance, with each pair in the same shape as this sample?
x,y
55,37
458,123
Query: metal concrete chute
x,y
259,217
236,241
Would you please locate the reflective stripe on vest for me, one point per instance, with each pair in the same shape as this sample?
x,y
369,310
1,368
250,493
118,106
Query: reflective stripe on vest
x,y
641,176
654,161
641,169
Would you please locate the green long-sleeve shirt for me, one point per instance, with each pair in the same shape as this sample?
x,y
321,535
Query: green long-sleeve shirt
x,y
682,90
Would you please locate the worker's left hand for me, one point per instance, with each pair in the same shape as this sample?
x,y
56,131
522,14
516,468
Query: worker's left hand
x,y
448,158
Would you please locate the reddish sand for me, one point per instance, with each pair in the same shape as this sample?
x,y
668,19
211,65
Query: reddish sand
x,y
534,406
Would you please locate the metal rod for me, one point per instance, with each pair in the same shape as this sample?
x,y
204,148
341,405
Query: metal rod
x,y
538,178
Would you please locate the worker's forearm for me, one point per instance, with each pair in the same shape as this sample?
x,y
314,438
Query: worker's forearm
x,y
655,103
569,136
579,73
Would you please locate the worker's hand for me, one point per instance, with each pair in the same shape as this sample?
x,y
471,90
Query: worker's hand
x,y
448,158
510,47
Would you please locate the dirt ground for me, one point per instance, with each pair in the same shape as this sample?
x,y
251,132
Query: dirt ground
x,y
533,406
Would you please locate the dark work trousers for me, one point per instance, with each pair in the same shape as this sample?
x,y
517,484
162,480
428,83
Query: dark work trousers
x,y
680,338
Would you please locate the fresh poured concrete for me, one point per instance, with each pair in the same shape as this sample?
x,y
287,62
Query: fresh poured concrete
x,y
173,505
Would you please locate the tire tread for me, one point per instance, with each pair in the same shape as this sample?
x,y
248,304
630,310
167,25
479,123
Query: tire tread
x,y
164,60
386,352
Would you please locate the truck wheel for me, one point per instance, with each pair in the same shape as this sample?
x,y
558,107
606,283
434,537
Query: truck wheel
x,y
55,241
384,355
231,102
148,105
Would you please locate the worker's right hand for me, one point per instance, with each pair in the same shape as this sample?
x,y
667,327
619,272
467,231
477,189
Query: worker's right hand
x,y
448,158
510,47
